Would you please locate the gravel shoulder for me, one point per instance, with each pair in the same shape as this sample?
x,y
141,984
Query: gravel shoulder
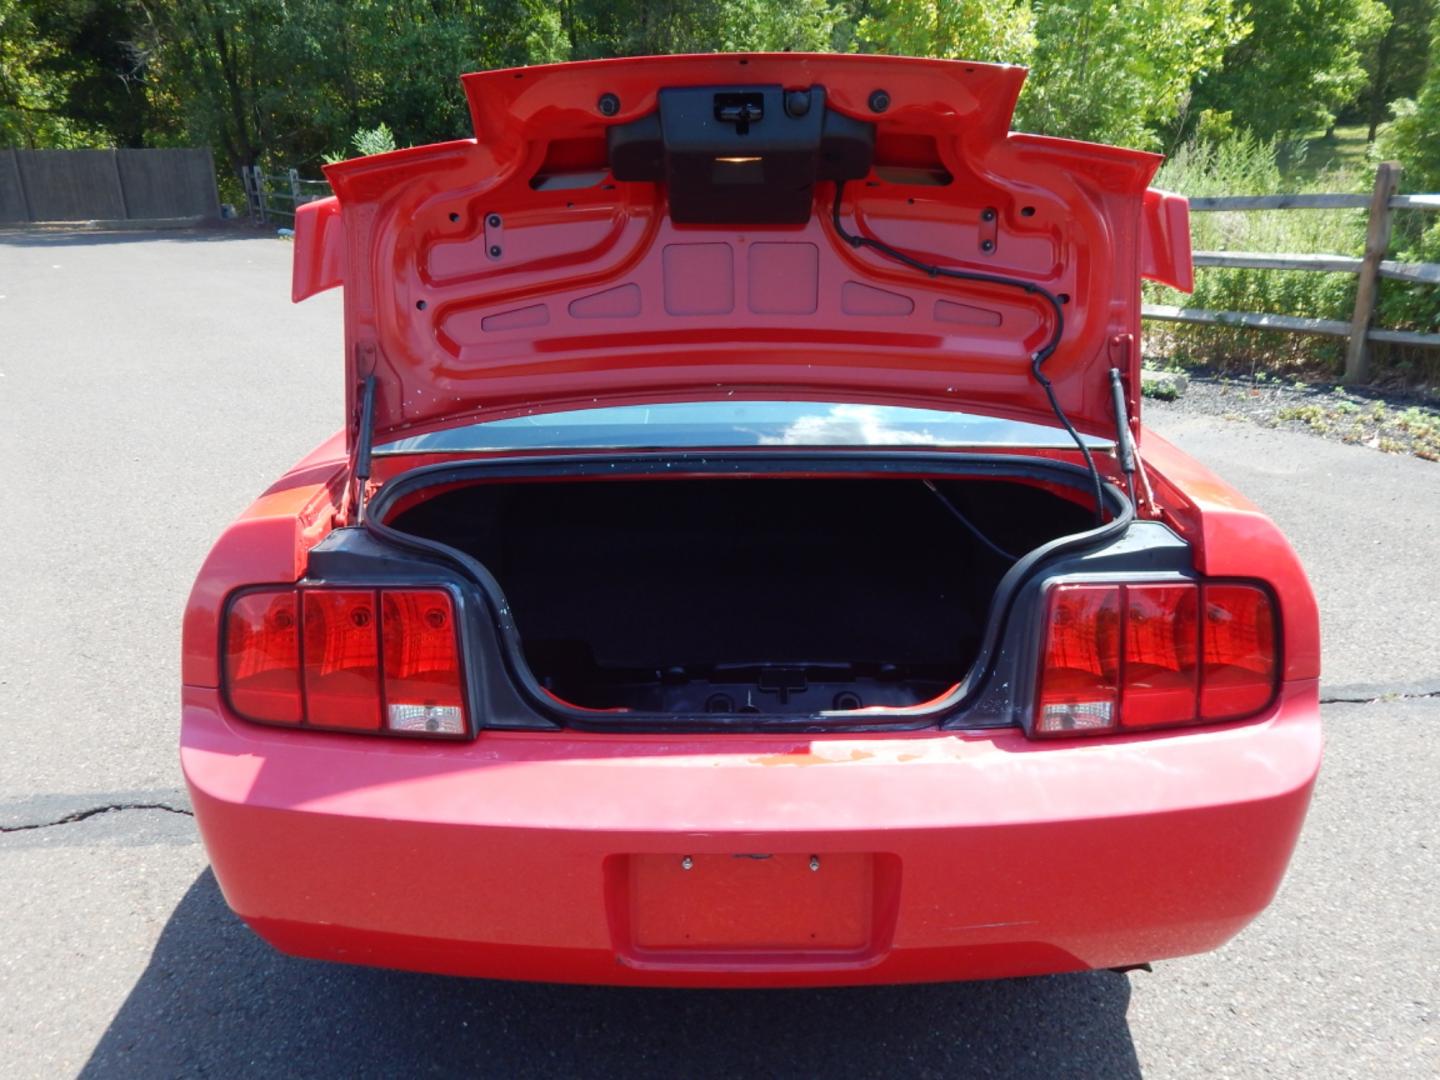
x,y
1392,423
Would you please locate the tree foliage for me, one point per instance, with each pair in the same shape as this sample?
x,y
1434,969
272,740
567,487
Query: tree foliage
x,y
1000,31
1121,71
1395,64
1414,138
70,75
291,81
1301,62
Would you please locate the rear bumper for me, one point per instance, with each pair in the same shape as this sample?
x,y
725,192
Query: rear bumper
x,y
558,857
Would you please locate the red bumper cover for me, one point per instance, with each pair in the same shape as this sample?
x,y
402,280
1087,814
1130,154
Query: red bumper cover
x,y
730,860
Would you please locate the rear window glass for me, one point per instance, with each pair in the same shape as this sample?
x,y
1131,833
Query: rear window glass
x,y
737,423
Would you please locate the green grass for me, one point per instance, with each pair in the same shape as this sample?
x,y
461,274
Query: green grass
x,y
1247,166
1344,151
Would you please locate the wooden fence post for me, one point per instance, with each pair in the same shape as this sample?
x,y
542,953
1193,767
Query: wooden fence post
x,y
1377,242
294,177
264,203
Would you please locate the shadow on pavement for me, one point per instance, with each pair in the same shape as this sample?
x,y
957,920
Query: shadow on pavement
x,y
215,1000
80,236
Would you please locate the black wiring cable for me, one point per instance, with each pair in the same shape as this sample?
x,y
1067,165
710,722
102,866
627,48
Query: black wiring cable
x,y
1036,359
973,529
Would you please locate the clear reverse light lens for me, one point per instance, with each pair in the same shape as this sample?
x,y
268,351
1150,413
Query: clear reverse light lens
x,y
441,719
1077,716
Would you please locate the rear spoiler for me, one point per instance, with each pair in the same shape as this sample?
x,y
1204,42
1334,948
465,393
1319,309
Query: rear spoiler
x,y
319,261
1165,254
1164,240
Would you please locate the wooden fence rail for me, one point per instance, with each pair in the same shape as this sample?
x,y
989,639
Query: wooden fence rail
x,y
1369,268
263,189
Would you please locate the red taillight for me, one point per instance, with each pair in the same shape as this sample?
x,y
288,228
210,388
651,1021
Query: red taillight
x,y
422,664
342,662
1161,641
1136,656
1238,632
262,657
346,659
1080,673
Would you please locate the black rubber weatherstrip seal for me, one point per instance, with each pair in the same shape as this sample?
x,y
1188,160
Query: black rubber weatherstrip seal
x,y
738,463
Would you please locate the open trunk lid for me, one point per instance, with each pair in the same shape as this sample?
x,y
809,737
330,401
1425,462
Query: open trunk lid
x,y
665,229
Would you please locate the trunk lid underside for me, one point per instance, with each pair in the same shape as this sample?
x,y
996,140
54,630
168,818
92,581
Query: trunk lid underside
x,y
522,271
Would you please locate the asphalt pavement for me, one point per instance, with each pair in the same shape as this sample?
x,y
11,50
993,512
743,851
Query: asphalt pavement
x,y
152,384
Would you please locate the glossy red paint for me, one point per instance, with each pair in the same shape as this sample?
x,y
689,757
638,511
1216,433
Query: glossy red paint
x,y
474,289
990,855
560,856
817,859
1232,538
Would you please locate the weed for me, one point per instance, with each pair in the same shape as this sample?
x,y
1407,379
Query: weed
x,y
1160,391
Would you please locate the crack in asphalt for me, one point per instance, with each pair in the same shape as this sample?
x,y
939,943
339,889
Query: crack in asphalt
x,y
1371,695
94,811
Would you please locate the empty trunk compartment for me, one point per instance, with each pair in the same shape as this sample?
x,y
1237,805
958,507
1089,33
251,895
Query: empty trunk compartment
x,y
746,595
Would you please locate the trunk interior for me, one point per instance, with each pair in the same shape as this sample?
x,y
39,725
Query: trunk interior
x,y
726,595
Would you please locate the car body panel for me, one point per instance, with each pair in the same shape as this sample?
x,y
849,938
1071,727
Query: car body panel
x,y
1231,537
988,854
473,289
561,856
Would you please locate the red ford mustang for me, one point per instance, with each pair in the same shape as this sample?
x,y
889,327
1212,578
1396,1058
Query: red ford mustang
x,y
743,563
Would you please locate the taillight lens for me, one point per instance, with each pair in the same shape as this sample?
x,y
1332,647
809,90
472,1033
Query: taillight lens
x,y
262,657
1238,632
1161,642
346,659
422,664
1137,656
1080,678
342,663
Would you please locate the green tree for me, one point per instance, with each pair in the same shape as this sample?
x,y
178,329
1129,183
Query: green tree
x,y
1300,64
1000,31
1119,72
597,28
48,86
1414,137
1395,64
255,78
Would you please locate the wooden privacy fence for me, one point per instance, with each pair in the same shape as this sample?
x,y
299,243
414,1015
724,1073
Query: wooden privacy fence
x,y
1382,202
264,190
170,185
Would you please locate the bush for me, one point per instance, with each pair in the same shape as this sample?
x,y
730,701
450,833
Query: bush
x,y
1245,165
377,140
1407,306
1412,137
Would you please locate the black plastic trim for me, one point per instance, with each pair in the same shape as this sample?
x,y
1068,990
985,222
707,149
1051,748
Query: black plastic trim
x,y
749,463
